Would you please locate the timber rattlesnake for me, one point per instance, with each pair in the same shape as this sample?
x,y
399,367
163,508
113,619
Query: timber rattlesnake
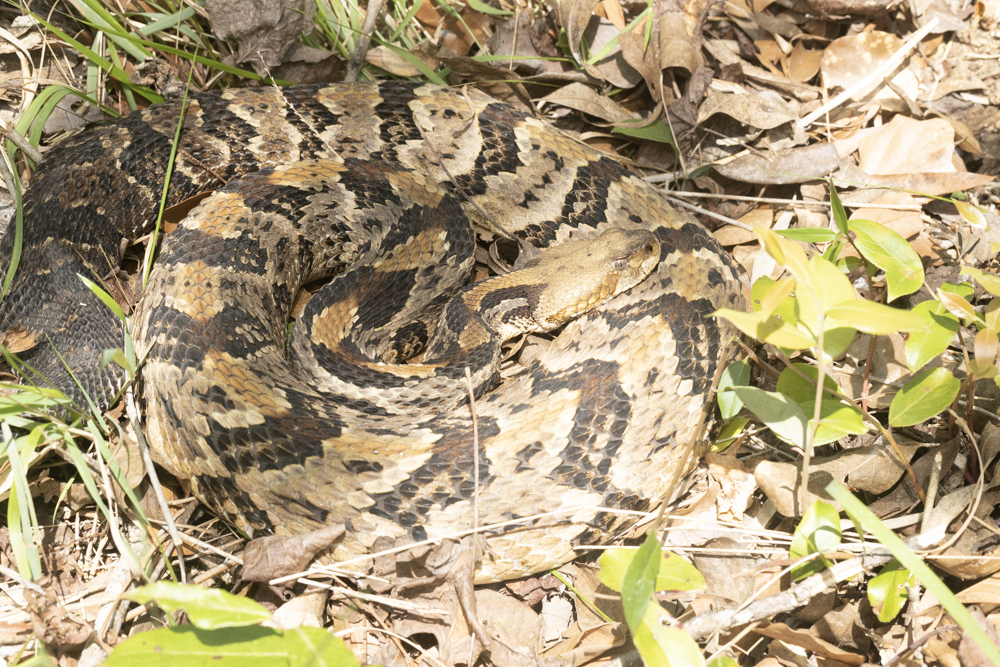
x,y
593,422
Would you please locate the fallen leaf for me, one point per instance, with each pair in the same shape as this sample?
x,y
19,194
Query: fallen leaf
x,y
795,165
267,558
906,146
583,98
756,111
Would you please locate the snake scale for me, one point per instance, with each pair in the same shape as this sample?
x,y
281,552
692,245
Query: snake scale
x,y
593,422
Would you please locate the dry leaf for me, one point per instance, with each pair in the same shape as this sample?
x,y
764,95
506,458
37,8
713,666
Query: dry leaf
x,y
933,184
848,59
267,558
808,641
390,61
907,146
756,111
677,49
615,68
803,63
795,165
583,98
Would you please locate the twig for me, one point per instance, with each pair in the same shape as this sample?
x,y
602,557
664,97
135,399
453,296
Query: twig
x,y
154,480
364,39
796,596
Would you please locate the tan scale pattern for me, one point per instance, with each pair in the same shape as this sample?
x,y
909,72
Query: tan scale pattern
x,y
595,422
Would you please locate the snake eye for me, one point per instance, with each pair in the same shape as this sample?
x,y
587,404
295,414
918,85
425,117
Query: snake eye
x,y
619,264
648,248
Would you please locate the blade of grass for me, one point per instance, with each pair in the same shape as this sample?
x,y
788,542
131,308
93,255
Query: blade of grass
x,y
861,514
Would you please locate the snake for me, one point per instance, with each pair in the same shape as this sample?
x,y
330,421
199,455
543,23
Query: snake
x,y
381,408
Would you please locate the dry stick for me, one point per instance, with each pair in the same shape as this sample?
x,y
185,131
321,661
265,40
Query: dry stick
x,y
364,40
877,74
475,451
796,596
787,202
154,480
18,140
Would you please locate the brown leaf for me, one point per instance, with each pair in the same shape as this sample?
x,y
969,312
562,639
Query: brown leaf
x,y
969,652
677,48
906,146
267,558
803,63
583,98
390,61
933,183
756,111
795,165
574,15
808,641
849,59
263,31
615,68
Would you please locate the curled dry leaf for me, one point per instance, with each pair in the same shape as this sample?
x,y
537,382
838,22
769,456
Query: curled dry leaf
x,y
575,15
808,641
399,65
850,7
267,558
795,165
614,66
263,31
677,49
940,183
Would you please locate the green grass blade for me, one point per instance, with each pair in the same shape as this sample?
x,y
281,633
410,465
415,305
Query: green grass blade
x,y
861,514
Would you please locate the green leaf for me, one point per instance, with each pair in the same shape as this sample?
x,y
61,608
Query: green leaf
x,y
787,253
957,304
923,397
736,374
809,234
887,591
231,647
723,661
657,131
890,252
839,214
860,514
662,645
105,298
874,318
836,421
639,581
778,412
208,608
771,329
964,290
676,574
989,282
798,388
486,9
926,344
776,298
729,433
831,286
817,533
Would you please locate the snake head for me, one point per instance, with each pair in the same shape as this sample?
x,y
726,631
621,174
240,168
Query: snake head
x,y
578,276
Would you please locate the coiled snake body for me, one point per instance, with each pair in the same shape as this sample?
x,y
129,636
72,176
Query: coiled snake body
x,y
277,444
